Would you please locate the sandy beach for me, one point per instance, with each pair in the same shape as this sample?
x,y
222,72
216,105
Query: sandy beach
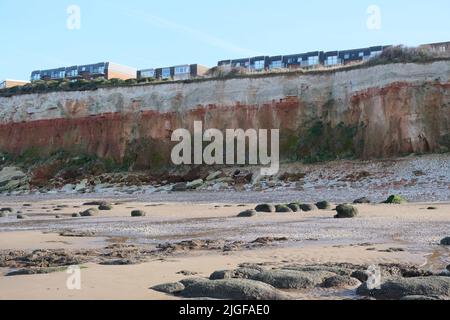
x,y
123,257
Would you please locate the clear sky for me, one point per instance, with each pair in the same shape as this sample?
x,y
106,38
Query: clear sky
x,y
34,34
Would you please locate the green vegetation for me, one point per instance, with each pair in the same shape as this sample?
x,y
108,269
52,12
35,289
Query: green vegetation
x,y
61,164
401,54
395,199
323,142
67,85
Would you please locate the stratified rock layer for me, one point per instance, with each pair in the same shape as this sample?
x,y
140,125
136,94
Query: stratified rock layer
x,y
369,112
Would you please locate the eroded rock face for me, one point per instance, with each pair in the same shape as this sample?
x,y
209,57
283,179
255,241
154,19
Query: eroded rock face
x,y
372,112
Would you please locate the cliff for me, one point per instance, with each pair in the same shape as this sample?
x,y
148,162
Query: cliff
x,y
374,112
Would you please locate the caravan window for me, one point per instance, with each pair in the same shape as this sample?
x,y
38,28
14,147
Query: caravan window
x,y
276,65
166,73
182,70
259,65
312,61
331,61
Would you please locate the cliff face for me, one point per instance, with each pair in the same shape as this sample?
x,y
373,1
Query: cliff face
x,y
374,112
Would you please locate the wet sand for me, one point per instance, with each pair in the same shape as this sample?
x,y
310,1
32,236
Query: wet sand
x,y
381,234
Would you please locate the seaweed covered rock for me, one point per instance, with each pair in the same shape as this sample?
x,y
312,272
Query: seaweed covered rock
x,y
240,273
169,288
265,208
292,279
341,282
231,289
402,287
295,207
308,207
138,213
105,207
247,214
362,200
323,205
89,212
395,199
345,211
282,208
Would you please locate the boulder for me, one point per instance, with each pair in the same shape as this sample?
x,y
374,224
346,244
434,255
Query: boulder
x,y
121,262
265,208
195,184
22,217
445,241
341,282
231,289
282,208
395,199
333,269
105,207
4,214
82,186
180,187
89,212
169,288
361,275
10,210
95,203
76,215
308,207
363,200
291,279
12,178
240,273
323,205
214,175
402,287
346,211
295,207
68,188
247,214
138,213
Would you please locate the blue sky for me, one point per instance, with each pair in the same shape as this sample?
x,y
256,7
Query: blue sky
x,y
148,33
